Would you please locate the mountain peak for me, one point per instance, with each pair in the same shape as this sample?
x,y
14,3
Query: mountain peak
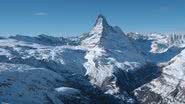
x,y
100,25
103,33
101,20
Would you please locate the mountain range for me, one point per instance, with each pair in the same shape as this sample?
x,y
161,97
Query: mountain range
x,y
103,66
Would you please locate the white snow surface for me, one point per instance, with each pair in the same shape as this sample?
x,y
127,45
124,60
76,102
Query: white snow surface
x,y
67,91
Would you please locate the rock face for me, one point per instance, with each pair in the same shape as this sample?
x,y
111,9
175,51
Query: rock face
x,y
103,66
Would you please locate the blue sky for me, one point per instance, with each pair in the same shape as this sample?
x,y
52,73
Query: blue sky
x,y
73,17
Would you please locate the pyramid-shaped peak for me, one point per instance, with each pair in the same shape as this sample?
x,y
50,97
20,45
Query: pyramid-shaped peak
x,y
100,25
100,16
101,20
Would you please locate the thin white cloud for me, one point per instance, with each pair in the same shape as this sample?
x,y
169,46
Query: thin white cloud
x,y
41,14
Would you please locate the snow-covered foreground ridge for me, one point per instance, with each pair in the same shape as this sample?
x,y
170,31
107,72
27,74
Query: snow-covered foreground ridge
x,y
103,66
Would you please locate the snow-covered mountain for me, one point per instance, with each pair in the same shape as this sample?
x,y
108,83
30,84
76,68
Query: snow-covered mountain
x,y
169,87
103,66
109,50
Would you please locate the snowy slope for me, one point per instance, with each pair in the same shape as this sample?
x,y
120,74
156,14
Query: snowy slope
x,y
168,52
24,84
169,87
155,47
